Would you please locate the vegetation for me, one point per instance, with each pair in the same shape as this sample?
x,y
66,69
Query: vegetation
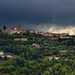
x,y
31,60
4,27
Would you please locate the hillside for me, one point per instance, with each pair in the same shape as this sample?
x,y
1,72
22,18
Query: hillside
x,y
35,54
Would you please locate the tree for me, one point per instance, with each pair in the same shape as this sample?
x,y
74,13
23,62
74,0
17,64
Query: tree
x,y
53,61
46,63
0,30
27,55
0,58
69,62
73,73
24,70
46,60
12,68
6,69
19,61
5,57
73,66
4,27
57,67
46,73
23,55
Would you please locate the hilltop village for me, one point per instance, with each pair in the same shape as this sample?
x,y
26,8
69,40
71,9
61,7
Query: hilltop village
x,y
29,52
19,30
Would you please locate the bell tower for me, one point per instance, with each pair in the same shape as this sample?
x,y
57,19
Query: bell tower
x,y
19,26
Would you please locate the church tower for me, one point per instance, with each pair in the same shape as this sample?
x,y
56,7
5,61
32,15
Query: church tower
x,y
19,26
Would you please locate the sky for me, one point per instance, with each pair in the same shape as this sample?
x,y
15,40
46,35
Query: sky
x,y
41,15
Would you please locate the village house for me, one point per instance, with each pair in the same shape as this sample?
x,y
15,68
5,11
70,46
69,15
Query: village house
x,y
9,55
63,51
41,33
23,30
18,30
66,37
32,31
54,38
37,45
1,53
64,34
16,39
54,34
46,34
54,58
50,57
23,39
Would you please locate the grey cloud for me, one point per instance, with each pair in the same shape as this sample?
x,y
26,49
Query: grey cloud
x,y
37,12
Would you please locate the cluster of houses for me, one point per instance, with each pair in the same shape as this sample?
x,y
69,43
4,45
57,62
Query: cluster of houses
x,y
62,52
53,34
20,30
9,55
51,57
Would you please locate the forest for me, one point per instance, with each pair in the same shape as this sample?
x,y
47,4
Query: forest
x,y
32,60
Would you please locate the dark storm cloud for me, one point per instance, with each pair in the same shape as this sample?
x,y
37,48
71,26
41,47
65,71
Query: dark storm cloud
x,y
37,12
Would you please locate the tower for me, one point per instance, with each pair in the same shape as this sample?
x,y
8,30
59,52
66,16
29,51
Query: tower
x,y
19,26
